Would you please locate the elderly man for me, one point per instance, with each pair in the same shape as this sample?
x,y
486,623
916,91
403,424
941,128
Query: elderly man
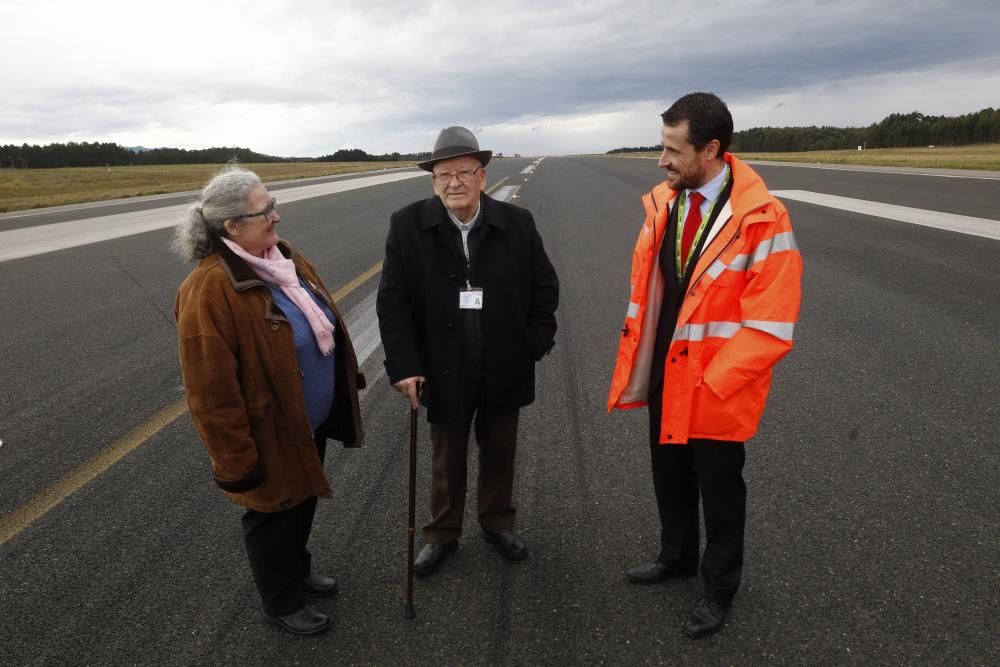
x,y
715,295
466,306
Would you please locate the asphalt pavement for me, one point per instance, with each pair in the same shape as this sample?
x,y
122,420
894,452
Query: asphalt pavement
x,y
873,535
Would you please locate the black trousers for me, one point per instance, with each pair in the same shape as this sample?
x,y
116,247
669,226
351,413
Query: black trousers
x,y
713,470
276,547
496,436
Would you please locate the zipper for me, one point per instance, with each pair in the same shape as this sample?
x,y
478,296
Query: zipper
x,y
693,283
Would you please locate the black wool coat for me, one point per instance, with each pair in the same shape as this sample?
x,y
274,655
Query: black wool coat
x,y
419,318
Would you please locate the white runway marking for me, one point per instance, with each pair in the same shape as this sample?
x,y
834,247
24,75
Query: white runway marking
x,y
898,171
362,324
973,174
506,193
29,241
527,170
962,224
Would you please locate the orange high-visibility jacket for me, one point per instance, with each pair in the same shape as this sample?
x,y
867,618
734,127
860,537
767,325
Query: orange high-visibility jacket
x,y
736,320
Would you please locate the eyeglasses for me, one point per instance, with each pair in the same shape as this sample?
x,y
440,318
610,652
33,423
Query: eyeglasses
x,y
268,210
464,176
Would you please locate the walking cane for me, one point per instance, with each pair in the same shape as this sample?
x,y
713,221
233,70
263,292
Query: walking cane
x,y
410,612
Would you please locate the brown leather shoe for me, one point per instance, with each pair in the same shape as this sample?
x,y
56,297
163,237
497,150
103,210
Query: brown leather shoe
x,y
318,586
706,619
431,557
509,544
305,621
655,572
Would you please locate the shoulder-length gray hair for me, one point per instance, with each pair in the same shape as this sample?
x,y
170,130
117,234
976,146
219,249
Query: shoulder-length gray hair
x,y
225,196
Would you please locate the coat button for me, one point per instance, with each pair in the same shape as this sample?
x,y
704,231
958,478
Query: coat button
x,y
444,373
450,325
670,437
673,360
452,276
275,325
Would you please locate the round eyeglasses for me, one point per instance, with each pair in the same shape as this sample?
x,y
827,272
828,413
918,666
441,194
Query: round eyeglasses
x,y
464,176
266,212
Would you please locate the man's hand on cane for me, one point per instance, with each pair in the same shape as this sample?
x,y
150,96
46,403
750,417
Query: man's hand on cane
x,y
411,388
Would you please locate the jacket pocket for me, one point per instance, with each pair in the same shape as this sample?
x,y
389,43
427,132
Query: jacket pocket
x,y
264,431
713,417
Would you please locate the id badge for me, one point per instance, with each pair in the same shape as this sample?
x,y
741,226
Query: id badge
x,y
470,298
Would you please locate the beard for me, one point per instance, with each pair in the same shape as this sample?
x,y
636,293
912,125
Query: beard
x,y
691,179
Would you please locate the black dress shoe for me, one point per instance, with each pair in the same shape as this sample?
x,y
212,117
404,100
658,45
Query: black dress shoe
x,y
509,544
705,619
431,557
318,586
655,572
305,621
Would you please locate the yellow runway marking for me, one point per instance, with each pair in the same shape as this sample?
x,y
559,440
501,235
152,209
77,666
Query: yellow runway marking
x,y
25,515
357,282
12,524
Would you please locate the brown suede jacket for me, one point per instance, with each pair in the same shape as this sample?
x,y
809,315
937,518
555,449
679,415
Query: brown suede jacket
x,y
243,383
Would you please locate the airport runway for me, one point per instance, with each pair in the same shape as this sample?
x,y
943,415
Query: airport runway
x,y
873,535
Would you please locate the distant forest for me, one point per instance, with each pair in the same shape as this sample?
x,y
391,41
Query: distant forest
x,y
100,154
894,131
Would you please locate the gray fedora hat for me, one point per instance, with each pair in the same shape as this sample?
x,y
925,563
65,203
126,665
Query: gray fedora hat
x,y
455,141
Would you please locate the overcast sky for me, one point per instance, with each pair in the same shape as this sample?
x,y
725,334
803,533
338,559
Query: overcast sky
x,y
306,77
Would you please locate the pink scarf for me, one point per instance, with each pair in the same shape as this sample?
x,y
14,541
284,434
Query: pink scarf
x,y
274,268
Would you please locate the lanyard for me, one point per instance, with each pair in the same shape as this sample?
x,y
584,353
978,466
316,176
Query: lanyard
x,y
681,206
463,241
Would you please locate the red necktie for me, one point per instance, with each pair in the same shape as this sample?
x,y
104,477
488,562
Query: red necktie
x,y
691,225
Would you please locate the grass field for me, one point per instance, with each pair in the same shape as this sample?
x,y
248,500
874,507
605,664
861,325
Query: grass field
x,y
22,189
982,156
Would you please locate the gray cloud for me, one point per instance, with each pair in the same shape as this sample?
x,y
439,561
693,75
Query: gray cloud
x,y
307,77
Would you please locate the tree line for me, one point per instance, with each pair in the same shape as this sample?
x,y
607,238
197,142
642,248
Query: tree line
x,y
99,154
893,131
358,155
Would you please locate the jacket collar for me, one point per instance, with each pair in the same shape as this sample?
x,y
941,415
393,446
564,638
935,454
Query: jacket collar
x,y
240,273
748,193
434,213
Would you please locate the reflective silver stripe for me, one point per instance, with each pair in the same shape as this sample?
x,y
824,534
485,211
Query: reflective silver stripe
x,y
782,330
633,309
777,243
697,332
739,263
716,269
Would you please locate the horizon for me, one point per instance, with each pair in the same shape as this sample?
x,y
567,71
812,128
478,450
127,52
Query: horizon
x,y
142,148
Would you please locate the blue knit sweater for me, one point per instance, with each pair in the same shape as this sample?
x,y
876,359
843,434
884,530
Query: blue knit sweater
x,y
317,370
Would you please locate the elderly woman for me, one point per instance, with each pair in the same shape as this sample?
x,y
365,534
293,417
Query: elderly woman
x,y
270,375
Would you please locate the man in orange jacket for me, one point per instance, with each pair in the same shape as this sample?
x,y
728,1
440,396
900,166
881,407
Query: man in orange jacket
x,y
715,295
